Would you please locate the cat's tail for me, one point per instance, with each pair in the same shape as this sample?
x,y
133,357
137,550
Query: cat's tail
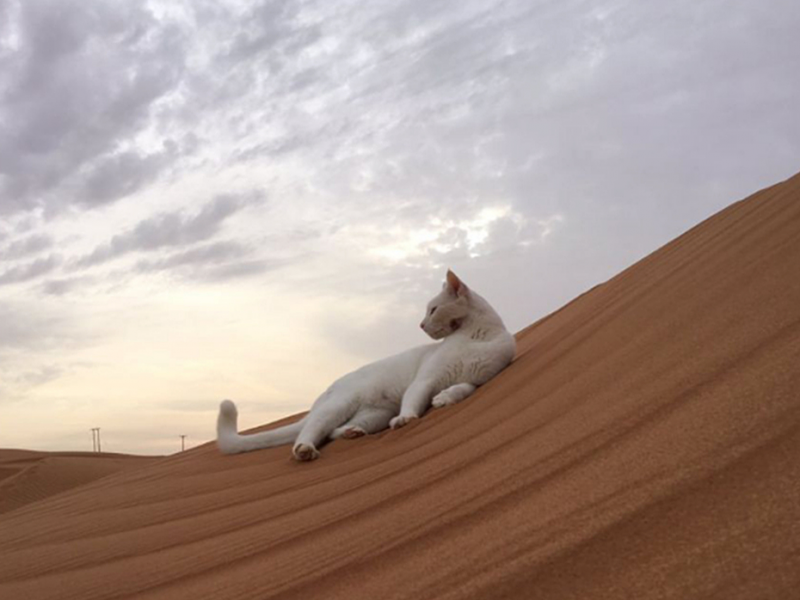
x,y
230,442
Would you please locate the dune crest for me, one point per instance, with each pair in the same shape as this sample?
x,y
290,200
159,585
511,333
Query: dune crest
x,y
644,444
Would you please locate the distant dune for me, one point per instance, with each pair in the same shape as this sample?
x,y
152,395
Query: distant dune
x,y
644,445
27,476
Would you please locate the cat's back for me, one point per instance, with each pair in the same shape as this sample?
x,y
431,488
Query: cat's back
x,y
396,371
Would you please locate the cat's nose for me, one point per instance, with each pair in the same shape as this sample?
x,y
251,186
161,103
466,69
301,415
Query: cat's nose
x,y
422,325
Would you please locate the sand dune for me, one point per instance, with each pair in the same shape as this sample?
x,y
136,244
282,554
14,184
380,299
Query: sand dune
x,y
645,444
27,476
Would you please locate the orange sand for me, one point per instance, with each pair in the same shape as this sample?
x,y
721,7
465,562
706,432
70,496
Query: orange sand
x,y
645,444
27,476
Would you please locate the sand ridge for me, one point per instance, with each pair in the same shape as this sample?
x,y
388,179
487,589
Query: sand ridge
x,y
644,444
28,476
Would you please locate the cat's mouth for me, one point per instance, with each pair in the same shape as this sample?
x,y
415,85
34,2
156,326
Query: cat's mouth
x,y
438,334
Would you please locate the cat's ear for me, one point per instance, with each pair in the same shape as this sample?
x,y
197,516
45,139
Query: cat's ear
x,y
458,287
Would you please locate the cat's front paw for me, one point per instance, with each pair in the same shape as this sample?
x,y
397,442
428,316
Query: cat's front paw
x,y
401,420
305,452
443,399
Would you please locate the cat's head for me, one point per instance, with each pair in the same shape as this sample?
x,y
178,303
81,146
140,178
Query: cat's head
x,y
446,312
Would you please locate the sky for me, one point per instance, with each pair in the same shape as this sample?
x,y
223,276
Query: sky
x,y
215,199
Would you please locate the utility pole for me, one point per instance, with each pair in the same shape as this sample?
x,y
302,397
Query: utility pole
x,y
96,439
183,446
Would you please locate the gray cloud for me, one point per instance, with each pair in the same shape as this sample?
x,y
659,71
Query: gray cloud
x,y
65,285
238,270
23,329
170,229
29,270
215,262
450,102
119,175
26,246
271,32
214,253
218,261
76,85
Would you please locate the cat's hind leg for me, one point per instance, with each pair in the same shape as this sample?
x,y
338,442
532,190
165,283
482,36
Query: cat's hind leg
x,y
367,420
318,426
453,395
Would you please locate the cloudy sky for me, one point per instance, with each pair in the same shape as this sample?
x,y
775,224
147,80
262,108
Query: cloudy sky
x,y
201,200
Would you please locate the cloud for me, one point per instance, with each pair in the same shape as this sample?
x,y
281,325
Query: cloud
x,y
218,261
436,240
39,376
77,84
116,176
23,329
172,229
66,285
207,254
30,270
237,270
272,32
23,247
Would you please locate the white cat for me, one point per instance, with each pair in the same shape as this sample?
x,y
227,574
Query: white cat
x,y
395,390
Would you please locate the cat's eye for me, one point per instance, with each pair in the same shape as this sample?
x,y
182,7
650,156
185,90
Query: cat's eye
x,y
433,310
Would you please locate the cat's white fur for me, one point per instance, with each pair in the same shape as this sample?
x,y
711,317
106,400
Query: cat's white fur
x,y
391,392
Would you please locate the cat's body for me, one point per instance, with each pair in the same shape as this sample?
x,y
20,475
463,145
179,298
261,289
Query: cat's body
x,y
476,346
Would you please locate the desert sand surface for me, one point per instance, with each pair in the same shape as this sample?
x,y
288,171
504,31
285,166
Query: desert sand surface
x,y
644,444
28,476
